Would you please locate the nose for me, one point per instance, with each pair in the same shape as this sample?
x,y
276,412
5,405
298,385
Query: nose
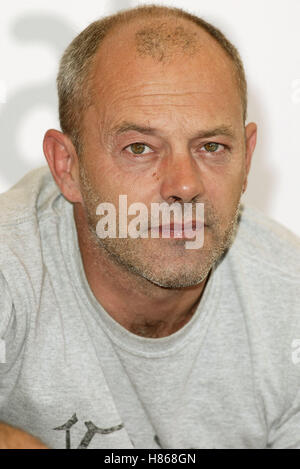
x,y
181,181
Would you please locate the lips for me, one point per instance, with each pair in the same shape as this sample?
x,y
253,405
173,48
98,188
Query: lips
x,y
185,230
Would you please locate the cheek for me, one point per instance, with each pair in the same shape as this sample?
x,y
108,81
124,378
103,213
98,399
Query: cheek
x,y
223,191
113,182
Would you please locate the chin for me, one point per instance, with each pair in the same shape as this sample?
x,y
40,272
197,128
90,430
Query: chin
x,y
178,278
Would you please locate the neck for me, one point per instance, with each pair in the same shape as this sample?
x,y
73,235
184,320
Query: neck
x,y
139,305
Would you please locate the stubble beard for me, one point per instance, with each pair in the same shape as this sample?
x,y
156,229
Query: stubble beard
x,y
155,265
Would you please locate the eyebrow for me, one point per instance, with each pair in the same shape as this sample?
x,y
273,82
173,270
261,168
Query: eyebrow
x,y
130,126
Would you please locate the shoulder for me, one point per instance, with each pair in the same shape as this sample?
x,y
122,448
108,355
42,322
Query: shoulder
x,y
264,264
26,211
266,245
28,199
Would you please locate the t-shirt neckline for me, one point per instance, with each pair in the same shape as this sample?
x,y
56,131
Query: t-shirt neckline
x,y
151,347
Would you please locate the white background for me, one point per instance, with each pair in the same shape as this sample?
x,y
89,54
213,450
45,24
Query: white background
x,y
34,34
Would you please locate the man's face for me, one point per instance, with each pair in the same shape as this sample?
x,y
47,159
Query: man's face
x,y
164,132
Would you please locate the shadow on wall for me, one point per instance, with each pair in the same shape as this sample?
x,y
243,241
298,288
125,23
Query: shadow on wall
x,y
52,32
56,33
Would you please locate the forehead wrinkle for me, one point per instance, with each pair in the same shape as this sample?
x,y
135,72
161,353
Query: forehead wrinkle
x,y
144,96
141,91
127,126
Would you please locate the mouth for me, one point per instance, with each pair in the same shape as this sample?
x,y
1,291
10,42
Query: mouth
x,y
187,230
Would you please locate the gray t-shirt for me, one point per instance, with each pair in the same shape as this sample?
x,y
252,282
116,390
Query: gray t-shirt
x,y
74,377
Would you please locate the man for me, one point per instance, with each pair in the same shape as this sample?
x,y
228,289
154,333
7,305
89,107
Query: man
x,y
138,342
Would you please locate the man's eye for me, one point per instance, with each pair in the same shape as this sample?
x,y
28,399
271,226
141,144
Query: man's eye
x,y
212,147
138,148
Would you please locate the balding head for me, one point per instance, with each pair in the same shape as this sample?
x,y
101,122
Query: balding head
x,y
162,40
161,33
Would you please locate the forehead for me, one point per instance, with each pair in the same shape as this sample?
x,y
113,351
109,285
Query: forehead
x,y
163,64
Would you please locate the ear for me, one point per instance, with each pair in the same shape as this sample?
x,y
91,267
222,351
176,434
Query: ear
x,y
63,163
251,135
